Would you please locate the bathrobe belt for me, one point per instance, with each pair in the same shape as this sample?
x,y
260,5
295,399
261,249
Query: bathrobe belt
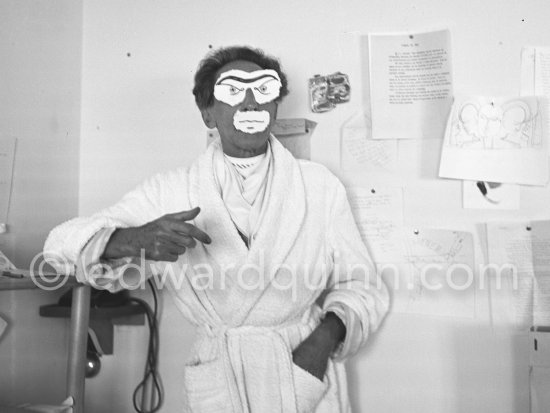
x,y
246,351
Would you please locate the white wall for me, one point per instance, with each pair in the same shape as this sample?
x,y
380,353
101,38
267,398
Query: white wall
x,y
138,117
40,60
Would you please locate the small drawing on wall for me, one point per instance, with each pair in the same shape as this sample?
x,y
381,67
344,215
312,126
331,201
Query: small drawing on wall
x,y
479,124
497,139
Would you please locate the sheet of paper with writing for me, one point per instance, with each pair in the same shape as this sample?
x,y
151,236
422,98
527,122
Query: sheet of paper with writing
x,y
428,271
410,84
540,245
378,213
520,281
535,74
362,156
510,278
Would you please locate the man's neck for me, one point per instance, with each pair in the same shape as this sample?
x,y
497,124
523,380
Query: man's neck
x,y
244,153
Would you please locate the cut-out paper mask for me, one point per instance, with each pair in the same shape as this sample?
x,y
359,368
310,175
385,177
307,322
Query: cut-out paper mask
x,y
251,121
231,86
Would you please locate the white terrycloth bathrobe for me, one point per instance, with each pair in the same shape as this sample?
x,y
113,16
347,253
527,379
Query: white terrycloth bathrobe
x,y
253,307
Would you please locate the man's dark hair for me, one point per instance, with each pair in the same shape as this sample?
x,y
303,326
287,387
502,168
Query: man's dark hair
x,y
205,78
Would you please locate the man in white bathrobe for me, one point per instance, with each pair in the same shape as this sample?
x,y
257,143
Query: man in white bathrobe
x,y
260,251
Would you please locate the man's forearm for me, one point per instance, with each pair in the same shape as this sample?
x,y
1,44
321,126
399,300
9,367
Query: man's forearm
x,y
314,352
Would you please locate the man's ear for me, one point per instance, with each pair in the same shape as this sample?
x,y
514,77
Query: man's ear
x,y
208,119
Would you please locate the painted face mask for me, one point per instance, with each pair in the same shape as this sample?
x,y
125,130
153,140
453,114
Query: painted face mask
x,y
232,85
251,121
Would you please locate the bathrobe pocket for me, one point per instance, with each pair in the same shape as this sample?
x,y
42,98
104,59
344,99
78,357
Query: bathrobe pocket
x,y
309,390
206,388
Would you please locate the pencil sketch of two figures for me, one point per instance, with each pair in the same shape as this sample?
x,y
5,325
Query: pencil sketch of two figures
x,y
488,124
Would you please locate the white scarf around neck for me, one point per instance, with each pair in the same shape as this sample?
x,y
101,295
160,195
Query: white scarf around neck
x,y
242,183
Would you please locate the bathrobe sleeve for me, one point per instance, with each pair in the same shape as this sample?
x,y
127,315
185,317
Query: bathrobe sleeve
x,y
75,246
356,294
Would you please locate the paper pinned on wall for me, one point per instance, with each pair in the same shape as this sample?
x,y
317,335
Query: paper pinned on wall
x,y
497,140
439,276
427,270
511,286
520,289
378,213
7,156
527,82
3,326
410,84
293,133
535,74
540,244
361,154
490,195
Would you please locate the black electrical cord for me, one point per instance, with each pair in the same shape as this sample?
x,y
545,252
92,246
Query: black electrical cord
x,y
151,365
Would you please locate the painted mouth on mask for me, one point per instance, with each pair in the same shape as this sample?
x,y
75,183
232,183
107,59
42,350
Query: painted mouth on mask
x,y
251,121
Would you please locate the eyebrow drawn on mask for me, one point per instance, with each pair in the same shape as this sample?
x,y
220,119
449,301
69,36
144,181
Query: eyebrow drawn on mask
x,y
239,79
247,77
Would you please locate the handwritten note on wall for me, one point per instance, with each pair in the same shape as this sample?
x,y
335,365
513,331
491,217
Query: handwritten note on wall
x,y
520,287
360,154
378,213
